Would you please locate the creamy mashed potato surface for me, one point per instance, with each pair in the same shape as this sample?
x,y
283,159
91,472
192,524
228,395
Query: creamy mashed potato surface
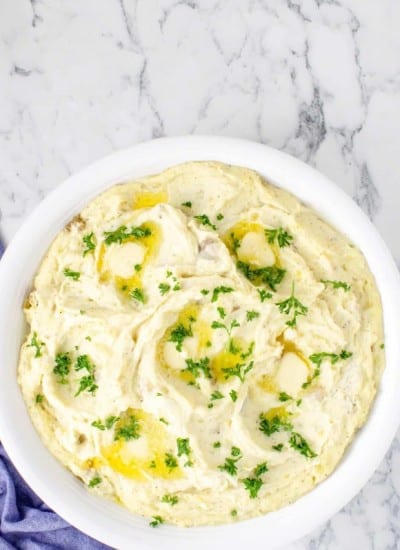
x,y
202,346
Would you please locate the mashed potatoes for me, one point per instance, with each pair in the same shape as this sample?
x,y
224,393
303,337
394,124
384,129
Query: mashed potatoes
x,y
202,346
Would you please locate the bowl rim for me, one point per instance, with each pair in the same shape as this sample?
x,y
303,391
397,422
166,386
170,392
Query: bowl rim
x,y
106,521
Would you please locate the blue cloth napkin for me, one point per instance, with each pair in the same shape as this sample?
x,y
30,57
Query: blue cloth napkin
x,y
26,523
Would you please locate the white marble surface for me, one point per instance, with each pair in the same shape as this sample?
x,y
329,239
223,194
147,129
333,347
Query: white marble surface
x,y
319,79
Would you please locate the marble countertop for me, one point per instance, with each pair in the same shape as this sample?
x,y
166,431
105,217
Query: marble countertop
x,y
319,79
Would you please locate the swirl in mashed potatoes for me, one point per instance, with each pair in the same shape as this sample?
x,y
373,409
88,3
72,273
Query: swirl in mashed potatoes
x,y
202,346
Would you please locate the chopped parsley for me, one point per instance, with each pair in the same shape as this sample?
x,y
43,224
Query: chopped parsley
x,y
283,396
63,364
229,465
278,447
39,398
264,295
170,461
218,324
216,395
280,235
221,312
198,367
108,423
250,315
240,370
163,420
220,217
95,481
183,445
233,395
188,204
337,284
217,444
83,362
170,499
164,288
36,344
156,521
128,428
205,220
137,294
178,334
233,513
298,443
235,242
123,233
271,275
204,291
292,306
235,451
220,290
89,243
272,425
87,382
261,469
75,275
137,267
253,485
317,359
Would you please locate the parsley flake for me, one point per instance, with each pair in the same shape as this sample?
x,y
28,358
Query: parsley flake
x,y
95,481
122,233
39,398
198,367
75,275
298,443
337,284
264,295
294,306
240,370
156,521
253,485
280,235
178,334
250,315
205,220
128,428
164,288
170,499
283,396
138,295
220,290
89,243
272,425
233,395
183,445
216,395
36,344
170,461
63,364
271,275
188,204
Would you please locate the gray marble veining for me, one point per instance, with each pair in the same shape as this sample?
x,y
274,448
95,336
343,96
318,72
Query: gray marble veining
x,y
319,79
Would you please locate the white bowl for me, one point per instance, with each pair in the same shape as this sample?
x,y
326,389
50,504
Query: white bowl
x,y
106,521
